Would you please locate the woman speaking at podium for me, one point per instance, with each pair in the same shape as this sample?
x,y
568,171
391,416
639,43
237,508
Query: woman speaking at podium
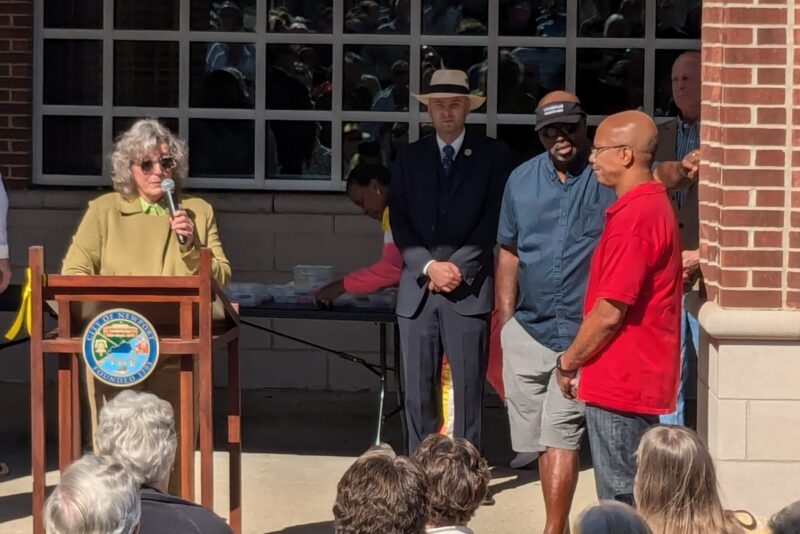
x,y
130,232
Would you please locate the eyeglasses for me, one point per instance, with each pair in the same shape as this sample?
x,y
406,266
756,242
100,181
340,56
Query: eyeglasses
x,y
148,165
597,149
562,129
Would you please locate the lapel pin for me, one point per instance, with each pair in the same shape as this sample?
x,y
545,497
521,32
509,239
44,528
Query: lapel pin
x,y
468,152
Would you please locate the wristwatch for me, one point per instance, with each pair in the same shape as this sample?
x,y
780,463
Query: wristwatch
x,y
561,369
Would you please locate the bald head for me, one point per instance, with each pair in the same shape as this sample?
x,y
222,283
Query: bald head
x,y
686,84
557,96
630,128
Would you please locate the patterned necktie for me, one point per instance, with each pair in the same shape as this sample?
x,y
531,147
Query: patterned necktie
x,y
447,158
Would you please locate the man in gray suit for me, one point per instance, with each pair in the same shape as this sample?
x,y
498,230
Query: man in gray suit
x,y
444,203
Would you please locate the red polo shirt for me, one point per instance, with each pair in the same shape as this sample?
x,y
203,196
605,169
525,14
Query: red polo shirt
x,y
637,262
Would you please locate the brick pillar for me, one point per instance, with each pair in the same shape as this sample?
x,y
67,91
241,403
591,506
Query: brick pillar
x,y
749,357
16,73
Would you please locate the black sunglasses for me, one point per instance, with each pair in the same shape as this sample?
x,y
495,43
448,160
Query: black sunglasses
x,y
166,164
556,129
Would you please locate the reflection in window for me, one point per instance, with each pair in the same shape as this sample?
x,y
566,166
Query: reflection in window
x,y
299,76
299,149
371,142
225,16
121,124
138,15
525,75
303,16
222,75
678,19
470,59
72,145
369,16
611,18
73,14
610,80
460,17
375,75
522,140
221,148
73,72
146,73
542,18
552,19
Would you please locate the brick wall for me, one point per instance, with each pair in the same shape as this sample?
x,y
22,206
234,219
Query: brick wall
x,y
16,60
750,194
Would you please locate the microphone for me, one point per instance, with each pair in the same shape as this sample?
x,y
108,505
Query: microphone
x,y
168,188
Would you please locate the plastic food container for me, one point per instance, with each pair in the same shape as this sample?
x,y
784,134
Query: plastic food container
x,y
311,277
246,294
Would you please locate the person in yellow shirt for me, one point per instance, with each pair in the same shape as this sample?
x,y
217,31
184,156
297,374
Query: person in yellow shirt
x,y
130,232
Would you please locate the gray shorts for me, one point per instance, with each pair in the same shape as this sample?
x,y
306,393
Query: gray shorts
x,y
539,415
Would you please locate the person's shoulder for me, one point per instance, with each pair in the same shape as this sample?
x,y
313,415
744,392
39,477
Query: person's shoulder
x,y
162,510
526,169
196,204
106,201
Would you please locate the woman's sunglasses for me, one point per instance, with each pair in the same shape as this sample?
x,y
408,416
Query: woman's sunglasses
x,y
166,164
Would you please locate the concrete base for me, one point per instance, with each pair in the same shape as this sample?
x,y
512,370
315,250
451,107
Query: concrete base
x,y
749,403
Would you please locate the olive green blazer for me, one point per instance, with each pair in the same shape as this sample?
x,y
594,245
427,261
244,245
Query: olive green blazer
x,y
116,238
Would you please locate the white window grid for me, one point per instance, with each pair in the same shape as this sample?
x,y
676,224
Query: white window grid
x,y
336,116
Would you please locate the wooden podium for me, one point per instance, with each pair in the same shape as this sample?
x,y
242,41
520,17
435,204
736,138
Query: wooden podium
x,y
193,336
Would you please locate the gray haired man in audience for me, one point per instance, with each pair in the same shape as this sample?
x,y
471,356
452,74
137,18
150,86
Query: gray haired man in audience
x,y
96,495
139,429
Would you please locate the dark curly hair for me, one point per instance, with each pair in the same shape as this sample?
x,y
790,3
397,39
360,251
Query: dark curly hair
x,y
381,493
458,478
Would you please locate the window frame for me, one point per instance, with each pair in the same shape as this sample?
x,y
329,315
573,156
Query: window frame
x,y
338,39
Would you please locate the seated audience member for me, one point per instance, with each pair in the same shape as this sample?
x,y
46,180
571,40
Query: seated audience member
x,y
96,495
787,521
139,429
381,493
458,479
676,490
610,517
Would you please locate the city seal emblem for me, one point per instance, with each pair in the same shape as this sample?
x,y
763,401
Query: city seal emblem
x,y
120,347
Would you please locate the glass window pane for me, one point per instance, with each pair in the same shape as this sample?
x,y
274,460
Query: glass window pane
x,y
611,18
678,19
73,14
525,75
146,73
371,142
222,75
299,76
372,16
664,104
225,16
470,59
300,16
454,17
72,145
299,150
610,80
221,148
368,77
121,124
73,72
523,141
139,15
542,18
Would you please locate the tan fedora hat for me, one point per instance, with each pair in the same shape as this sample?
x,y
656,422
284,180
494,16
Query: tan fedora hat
x,y
446,83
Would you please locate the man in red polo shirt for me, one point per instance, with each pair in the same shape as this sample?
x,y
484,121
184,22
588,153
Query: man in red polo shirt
x,y
627,348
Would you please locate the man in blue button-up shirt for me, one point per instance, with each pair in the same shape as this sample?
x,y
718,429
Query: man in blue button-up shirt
x,y
551,217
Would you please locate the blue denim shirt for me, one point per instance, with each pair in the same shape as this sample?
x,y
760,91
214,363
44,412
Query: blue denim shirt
x,y
554,228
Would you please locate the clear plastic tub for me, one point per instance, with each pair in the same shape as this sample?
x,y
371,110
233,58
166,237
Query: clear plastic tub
x,y
311,277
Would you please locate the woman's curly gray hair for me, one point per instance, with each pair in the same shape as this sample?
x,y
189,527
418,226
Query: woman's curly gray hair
x,y
137,142
139,429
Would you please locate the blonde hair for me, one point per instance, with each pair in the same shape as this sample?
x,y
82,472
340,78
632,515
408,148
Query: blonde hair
x,y
139,140
675,488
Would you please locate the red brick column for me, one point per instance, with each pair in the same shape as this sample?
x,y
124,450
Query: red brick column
x,y
750,189
16,80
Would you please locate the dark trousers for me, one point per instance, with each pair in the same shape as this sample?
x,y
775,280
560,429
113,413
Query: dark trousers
x,y
614,437
435,327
